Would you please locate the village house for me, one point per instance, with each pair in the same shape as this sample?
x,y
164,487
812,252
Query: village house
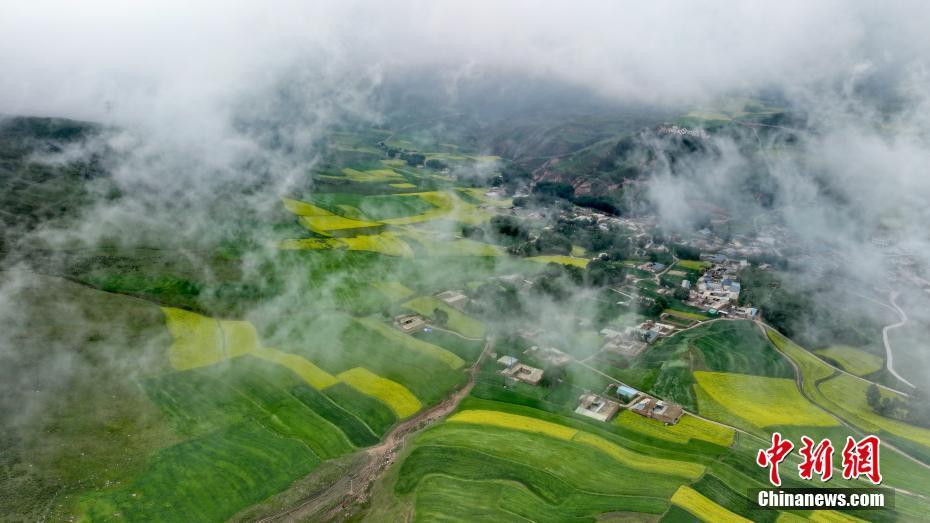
x,y
630,343
454,299
624,393
660,410
597,407
517,371
660,329
549,355
410,322
653,267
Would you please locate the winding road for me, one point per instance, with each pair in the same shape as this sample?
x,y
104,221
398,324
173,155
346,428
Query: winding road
x,y
889,357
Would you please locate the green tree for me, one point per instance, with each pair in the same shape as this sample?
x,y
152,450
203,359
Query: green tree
x,y
873,397
441,317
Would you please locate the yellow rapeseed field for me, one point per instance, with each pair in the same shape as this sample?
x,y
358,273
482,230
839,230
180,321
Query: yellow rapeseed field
x,y
373,175
514,421
310,373
239,337
300,208
334,222
393,394
703,508
689,427
198,341
762,401
564,260
640,461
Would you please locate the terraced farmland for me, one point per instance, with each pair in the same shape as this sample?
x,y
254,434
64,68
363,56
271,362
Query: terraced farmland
x,y
532,464
392,394
549,474
219,414
703,508
361,222
852,359
844,394
428,371
721,346
459,322
564,260
251,419
689,427
762,401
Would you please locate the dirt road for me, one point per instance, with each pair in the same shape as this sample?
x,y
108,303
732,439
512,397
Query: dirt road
x,y
355,487
889,356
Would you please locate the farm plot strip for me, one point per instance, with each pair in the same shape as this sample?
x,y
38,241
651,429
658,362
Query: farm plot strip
x,y
627,457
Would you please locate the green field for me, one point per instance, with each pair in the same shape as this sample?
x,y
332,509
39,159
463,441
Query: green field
x,y
459,322
466,349
337,343
207,478
848,396
686,315
693,265
844,395
527,463
252,427
721,346
564,260
373,207
395,291
426,349
377,416
851,359
551,478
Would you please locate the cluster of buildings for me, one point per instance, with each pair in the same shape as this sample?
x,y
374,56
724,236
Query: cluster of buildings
x,y
717,288
770,240
549,355
659,410
653,267
604,221
603,408
631,341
